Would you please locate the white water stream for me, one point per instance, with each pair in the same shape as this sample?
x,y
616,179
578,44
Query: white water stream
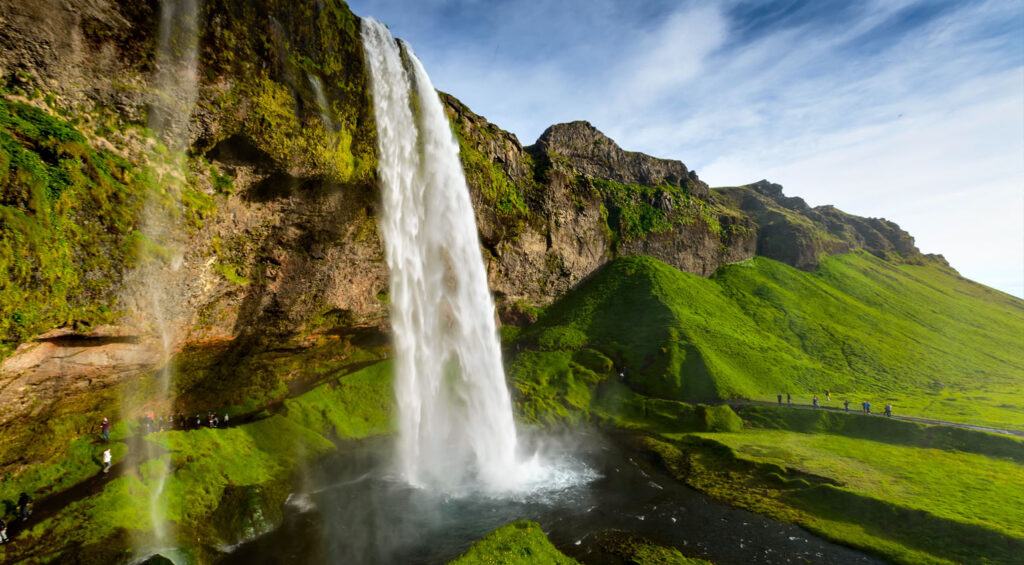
x,y
455,414
174,94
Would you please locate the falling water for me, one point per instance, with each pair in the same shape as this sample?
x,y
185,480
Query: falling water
x,y
174,95
455,414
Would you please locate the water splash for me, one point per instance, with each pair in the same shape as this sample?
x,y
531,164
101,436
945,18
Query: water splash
x,y
455,413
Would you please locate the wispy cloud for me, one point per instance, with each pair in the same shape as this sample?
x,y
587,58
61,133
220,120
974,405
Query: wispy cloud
x,y
911,110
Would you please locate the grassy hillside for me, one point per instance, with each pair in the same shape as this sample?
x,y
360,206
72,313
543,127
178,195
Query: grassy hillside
x,y
919,336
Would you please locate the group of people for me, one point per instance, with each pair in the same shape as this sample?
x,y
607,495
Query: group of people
x,y
182,422
148,423
865,406
23,510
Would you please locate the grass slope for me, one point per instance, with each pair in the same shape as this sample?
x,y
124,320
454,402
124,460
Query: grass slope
x,y
919,336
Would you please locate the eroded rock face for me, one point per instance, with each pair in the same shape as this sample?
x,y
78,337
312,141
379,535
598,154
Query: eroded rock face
x,y
563,231
792,232
595,155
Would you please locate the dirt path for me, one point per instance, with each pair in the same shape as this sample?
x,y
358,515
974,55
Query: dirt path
x,y
929,421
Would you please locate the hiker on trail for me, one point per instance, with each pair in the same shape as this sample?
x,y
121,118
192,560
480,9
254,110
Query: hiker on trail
x,y
814,401
867,406
214,421
106,460
828,396
789,399
181,421
199,422
3,531
846,404
888,410
105,429
780,399
24,505
227,418
864,406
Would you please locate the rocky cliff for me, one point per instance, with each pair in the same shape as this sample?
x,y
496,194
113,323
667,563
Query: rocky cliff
x,y
267,241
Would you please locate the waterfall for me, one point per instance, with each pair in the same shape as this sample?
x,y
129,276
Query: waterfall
x,y
174,94
455,413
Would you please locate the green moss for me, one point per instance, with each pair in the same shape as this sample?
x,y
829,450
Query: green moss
x,y
83,459
67,212
352,407
230,273
518,542
276,105
617,405
552,386
629,212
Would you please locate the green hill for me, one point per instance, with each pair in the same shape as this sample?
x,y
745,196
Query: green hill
x,y
919,336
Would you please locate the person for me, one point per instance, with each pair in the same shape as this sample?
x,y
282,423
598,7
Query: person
x,y
846,404
214,421
199,422
864,406
867,406
24,505
780,399
106,460
3,531
828,396
181,421
789,399
105,429
814,401
888,410
227,419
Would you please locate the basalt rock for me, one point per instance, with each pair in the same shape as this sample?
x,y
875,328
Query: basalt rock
x,y
595,155
791,231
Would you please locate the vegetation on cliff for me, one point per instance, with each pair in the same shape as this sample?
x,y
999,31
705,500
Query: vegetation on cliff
x,y
67,223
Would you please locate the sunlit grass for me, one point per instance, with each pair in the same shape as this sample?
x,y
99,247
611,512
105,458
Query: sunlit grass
x,y
959,486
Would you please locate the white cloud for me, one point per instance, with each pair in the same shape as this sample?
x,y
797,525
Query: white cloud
x,y
907,110
664,60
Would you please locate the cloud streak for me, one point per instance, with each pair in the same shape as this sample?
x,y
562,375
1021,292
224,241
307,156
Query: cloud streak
x,y
909,110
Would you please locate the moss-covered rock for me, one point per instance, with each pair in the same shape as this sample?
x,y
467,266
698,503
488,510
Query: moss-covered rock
x,y
518,542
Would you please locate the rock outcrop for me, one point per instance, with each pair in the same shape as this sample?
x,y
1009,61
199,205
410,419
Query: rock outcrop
x,y
791,231
595,155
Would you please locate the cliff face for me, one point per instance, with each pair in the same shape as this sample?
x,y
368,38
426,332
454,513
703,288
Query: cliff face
x,y
792,232
552,213
266,238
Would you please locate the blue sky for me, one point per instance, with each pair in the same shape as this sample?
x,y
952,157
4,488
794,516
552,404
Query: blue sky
x,y
911,111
